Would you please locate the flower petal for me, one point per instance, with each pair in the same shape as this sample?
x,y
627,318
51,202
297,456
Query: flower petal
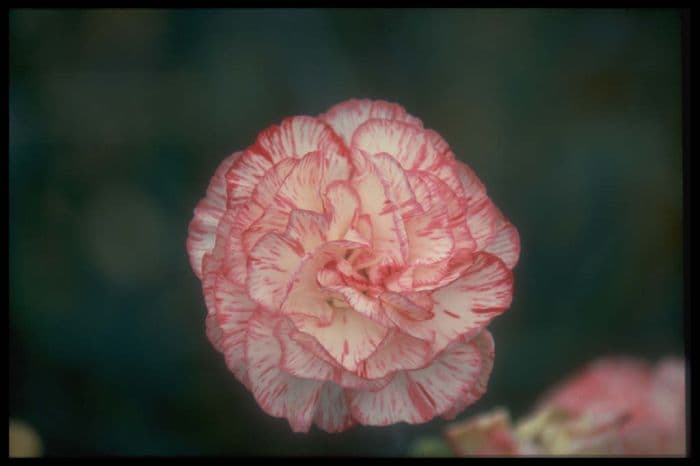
x,y
347,116
301,188
418,396
207,214
473,188
402,304
341,204
305,297
272,180
277,392
359,302
396,183
271,265
407,143
437,141
213,332
333,413
341,377
485,345
465,306
296,359
351,381
230,239
308,179
307,228
388,234
397,352
245,174
349,338
439,200
272,220
505,244
429,240
297,136
233,311
482,221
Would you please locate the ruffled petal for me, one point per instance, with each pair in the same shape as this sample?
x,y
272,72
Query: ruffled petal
x,y
429,240
245,174
265,191
332,412
505,243
472,187
349,337
202,229
465,306
442,205
351,381
301,188
396,183
390,245
297,136
242,227
271,265
308,179
359,302
277,392
397,352
213,332
485,345
401,303
233,311
418,396
482,221
447,172
307,228
341,204
272,220
407,143
305,296
438,142
340,377
296,359
347,116
230,236
483,218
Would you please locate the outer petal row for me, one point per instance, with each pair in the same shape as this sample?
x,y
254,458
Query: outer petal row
x,y
207,214
416,396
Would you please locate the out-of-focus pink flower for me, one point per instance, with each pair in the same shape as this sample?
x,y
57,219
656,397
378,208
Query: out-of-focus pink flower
x,y
350,264
615,406
489,434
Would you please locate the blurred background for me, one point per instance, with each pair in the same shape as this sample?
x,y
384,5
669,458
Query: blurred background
x,y
118,118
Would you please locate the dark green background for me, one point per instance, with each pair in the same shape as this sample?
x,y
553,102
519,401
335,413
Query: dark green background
x,y
118,118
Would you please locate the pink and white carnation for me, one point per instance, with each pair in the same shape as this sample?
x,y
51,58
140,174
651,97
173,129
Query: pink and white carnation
x,y
350,265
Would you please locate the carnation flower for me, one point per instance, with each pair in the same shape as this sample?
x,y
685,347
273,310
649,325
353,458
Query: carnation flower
x,y
615,406
350,264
